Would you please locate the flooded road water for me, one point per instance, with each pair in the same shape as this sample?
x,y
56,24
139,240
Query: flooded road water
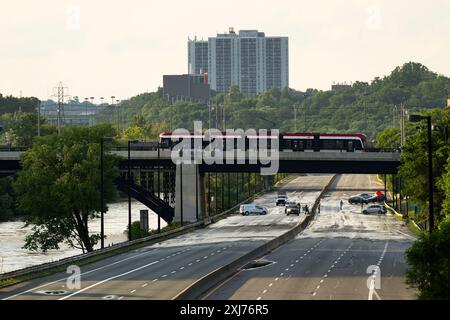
x,y
12,237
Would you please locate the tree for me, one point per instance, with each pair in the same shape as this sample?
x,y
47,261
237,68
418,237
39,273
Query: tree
x,y
134,133
388,139
59,187
21,127
429,264
6,198
414,160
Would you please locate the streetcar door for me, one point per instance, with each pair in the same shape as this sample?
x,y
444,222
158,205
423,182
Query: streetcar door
x,y
350,146
316,143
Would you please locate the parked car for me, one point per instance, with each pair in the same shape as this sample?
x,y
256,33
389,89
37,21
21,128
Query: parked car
x,y
360,198
375,208
292,208
247,209
281,200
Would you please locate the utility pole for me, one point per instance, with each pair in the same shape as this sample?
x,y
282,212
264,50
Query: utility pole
x,y
223,118
209,119
394,111
402,125
39,119
295,118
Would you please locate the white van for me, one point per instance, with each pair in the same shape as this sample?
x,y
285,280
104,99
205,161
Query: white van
x,y
247,209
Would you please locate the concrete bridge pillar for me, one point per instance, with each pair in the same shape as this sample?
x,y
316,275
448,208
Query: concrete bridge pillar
x,y
189,193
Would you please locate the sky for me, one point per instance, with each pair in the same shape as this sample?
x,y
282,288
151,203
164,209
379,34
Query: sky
x,y
107,48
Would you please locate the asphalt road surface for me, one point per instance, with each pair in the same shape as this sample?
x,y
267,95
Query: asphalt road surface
x,y
342,255
163,270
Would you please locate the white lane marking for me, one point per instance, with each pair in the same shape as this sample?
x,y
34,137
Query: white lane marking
x,y
82,274
108,279
163,276
154,280
120,298
190,264
181,268
276,279
173,272
270,284
144,285
372,290
264,291
259,298
198,260
133,291
331,268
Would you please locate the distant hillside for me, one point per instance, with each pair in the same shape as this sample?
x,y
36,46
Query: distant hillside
x,y
365,107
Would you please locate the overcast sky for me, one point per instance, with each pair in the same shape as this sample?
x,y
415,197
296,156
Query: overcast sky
x,y
122,48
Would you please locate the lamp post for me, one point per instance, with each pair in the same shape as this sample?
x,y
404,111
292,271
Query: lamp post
x,y
92,105
418,118
86,109
129,187
102,192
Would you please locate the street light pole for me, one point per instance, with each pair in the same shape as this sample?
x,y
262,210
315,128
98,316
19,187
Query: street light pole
x,y
129,187
418,118
102,192
430,174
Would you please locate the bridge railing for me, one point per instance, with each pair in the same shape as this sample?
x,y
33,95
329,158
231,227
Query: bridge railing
x,y
390,150
6,147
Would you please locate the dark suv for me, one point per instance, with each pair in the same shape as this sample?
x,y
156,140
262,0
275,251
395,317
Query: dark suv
x,y
292,208
360,198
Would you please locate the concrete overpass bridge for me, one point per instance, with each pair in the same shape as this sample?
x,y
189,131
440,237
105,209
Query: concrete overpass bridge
x,y
186,181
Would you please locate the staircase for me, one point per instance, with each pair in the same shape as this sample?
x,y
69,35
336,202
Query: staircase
x,y
161,208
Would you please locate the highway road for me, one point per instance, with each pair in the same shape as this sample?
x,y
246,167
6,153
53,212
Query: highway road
x,y
163,270
334,258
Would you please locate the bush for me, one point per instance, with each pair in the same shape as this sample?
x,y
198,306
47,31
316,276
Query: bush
x,y
136,231
429,264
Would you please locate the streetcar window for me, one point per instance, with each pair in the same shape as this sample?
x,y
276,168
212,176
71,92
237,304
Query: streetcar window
x,y
308,144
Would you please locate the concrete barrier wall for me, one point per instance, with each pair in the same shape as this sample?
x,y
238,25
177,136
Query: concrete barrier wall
x,y
74,259
201,286
111,249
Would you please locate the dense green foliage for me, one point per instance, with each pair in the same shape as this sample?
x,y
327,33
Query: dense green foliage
x,y
20,128
429,260
59,187
7,198
10,104
413,170
136,231
367,108
429,257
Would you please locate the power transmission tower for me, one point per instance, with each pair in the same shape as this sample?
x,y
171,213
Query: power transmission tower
x,y
61,91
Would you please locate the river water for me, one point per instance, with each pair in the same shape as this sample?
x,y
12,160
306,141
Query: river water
x,y
12,237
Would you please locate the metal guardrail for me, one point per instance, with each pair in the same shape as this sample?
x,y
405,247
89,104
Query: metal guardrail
x,y
115,247
9,148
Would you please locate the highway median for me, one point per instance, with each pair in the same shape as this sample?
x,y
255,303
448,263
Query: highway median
x,y
199,288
